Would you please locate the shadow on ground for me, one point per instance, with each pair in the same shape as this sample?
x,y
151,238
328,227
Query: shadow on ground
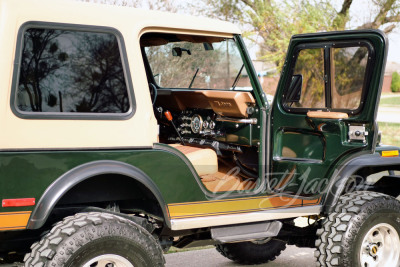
x,y
291,257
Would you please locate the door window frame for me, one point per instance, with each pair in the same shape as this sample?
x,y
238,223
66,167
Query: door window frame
x,y
327,46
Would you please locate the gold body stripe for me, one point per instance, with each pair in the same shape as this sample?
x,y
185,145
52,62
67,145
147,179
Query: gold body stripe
x,y
14,220
235,206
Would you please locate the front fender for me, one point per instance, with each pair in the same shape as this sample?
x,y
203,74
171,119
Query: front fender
x,y
341,176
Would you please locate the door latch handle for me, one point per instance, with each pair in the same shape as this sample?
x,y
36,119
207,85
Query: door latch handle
x,y
357,133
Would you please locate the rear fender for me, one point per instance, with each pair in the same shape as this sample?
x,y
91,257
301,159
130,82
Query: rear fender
x,y
75,176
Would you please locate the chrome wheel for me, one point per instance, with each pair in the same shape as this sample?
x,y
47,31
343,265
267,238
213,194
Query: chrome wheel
x,y
380,247
108,260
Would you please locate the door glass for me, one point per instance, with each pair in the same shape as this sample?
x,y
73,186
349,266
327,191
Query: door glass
x,y
348,72
310,64
333,78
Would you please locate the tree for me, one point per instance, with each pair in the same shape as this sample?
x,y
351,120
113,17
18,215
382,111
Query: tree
x,y
395,86
271,23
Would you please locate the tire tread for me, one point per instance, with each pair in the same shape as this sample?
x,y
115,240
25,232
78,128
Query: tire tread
x,y
49,252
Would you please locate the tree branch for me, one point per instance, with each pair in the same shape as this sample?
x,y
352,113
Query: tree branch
x,y
389,19
342,17
385,8
377,24
345,7
249,4
389,28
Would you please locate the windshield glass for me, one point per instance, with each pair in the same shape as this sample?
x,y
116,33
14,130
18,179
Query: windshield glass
x,y
196,62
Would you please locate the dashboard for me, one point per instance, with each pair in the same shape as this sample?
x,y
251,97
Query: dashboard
x,y
221,119
224,103
202,123
206,128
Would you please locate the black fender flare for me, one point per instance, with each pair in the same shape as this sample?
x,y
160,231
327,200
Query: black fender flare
x,y
341,176
85,171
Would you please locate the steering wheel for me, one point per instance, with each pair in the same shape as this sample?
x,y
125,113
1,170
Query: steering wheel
x,y
153,93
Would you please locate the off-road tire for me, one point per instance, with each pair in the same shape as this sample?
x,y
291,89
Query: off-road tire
x,y
82,237
340,238
252,253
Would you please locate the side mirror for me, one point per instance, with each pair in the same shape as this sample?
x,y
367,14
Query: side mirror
x,y
294,92
177,51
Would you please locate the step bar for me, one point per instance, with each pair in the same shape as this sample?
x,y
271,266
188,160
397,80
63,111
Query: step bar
x,y
246,232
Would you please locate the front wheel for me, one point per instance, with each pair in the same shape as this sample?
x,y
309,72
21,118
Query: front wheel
x,y
362,231
96,239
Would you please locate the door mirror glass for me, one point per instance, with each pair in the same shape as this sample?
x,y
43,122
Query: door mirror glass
x,y
294,93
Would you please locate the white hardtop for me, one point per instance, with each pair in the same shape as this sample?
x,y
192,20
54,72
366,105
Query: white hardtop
x,y
76,12
141,129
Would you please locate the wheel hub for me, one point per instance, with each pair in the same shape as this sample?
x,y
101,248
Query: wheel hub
x,y
380,247
373,250
108,260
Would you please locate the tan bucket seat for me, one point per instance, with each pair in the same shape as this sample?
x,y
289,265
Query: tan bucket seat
x,y
204,160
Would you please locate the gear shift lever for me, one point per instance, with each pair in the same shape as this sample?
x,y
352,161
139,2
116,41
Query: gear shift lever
x,y
168,115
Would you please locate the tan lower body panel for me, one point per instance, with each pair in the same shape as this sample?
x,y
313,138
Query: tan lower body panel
x,y
240,210
14,220
267,215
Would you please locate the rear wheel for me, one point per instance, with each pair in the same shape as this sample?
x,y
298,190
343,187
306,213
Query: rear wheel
x,y
96,239
256,252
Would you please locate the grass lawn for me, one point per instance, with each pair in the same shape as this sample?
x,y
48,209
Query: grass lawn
x,y
390,101
390,133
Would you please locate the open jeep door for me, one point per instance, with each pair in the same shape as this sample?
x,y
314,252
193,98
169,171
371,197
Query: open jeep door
x,y
325,107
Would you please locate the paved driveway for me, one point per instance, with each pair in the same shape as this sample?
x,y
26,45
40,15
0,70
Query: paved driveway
x,y
291,257
389,114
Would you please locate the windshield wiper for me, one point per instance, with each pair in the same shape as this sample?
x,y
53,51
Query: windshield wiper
x,y
194,77
237,78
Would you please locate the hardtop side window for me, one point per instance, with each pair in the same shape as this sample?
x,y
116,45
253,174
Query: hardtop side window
x,y
332,78
71,71
195,62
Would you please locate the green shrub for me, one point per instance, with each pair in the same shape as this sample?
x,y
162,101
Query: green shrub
x,y
395,86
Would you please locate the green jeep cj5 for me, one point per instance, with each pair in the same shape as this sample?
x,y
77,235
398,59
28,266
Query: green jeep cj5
x,y
125,132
